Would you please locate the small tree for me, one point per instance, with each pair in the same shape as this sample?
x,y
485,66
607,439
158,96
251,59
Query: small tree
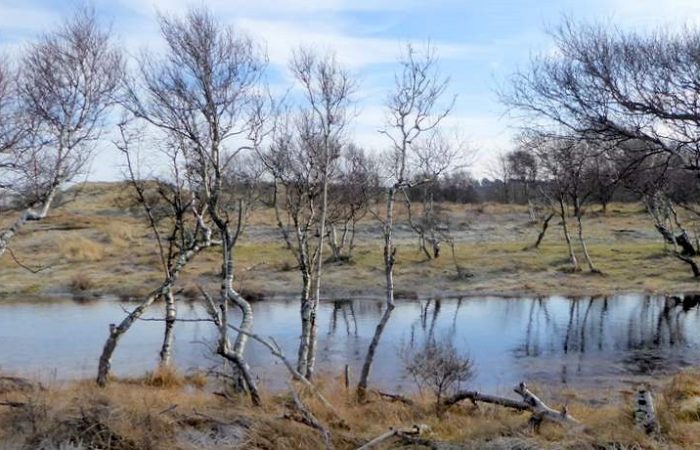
x,y
438,366
65,86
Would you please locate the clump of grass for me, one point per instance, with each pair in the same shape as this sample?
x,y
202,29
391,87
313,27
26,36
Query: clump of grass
x,y
81,282
165,377
118,233
80,249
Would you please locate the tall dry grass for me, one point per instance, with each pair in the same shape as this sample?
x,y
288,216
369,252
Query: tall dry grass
x,y
165,410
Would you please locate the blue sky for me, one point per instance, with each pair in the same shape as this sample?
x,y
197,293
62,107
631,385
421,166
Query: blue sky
x,y
479,42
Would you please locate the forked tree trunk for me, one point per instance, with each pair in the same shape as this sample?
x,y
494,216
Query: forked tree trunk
x,y
567,237
169,336
117,331
224,350
27,216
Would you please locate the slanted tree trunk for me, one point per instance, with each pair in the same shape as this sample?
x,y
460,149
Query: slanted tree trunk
x,y
169,335
117,331
572,255
543,231
582,240
28,215
389,261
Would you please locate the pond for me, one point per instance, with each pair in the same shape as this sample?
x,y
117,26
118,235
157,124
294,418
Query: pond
x,y
580,342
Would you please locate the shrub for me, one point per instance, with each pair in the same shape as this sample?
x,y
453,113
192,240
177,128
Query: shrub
x,y
439,366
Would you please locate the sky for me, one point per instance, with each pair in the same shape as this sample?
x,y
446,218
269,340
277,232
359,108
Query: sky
x,y
480,44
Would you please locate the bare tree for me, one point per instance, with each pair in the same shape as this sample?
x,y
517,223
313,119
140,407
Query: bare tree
x,y
66,84
203,96
415,109
435,155
302,159
620,88
353,189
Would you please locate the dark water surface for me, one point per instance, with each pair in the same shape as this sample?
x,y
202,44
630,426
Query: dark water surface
x,y
584,342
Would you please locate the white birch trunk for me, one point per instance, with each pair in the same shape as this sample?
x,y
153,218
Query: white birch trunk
x,y
169,335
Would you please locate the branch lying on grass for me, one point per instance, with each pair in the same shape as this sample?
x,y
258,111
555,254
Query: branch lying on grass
x,y
530,402
26,267
394,397
276,350
412,432
13,404
309,419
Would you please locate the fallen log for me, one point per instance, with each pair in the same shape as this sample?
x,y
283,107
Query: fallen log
x,y
530,402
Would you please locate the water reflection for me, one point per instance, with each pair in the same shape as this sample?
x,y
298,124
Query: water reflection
x,y
590,341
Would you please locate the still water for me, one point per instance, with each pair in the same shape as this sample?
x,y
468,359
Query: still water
x,y
582,342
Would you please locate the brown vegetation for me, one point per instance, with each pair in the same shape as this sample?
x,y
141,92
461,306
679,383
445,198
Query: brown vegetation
x,y
168,411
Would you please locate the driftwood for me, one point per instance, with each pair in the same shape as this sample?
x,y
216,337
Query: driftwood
x,y
530,402
644,412
412,432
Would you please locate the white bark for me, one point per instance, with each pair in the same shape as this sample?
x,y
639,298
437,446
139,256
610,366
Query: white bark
x,y
169,335
27,216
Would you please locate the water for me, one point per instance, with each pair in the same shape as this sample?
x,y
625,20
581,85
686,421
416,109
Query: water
x,y
584,342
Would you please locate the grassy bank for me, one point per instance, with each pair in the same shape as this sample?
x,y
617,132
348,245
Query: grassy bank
x,y
167,411
92,246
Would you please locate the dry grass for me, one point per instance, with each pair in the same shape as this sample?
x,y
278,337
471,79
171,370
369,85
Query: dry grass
x,y
81,249
94,234
172,414
81,282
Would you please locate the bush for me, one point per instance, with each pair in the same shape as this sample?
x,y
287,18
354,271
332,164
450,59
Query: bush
x,y
439,366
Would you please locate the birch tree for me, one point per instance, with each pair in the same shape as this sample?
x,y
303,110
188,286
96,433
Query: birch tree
x,y
302,159
65,87
203,95
415,108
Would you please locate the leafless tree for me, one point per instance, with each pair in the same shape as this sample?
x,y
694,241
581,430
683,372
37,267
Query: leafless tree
x,y
353,189
620,88
204,97
306,147
65,87
435,155
415,109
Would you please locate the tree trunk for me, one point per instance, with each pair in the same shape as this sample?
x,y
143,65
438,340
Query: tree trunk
x,y
367,365
169,336
305,339
236,359
389,261
116,332
27,216
543,231
567,236
582,240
